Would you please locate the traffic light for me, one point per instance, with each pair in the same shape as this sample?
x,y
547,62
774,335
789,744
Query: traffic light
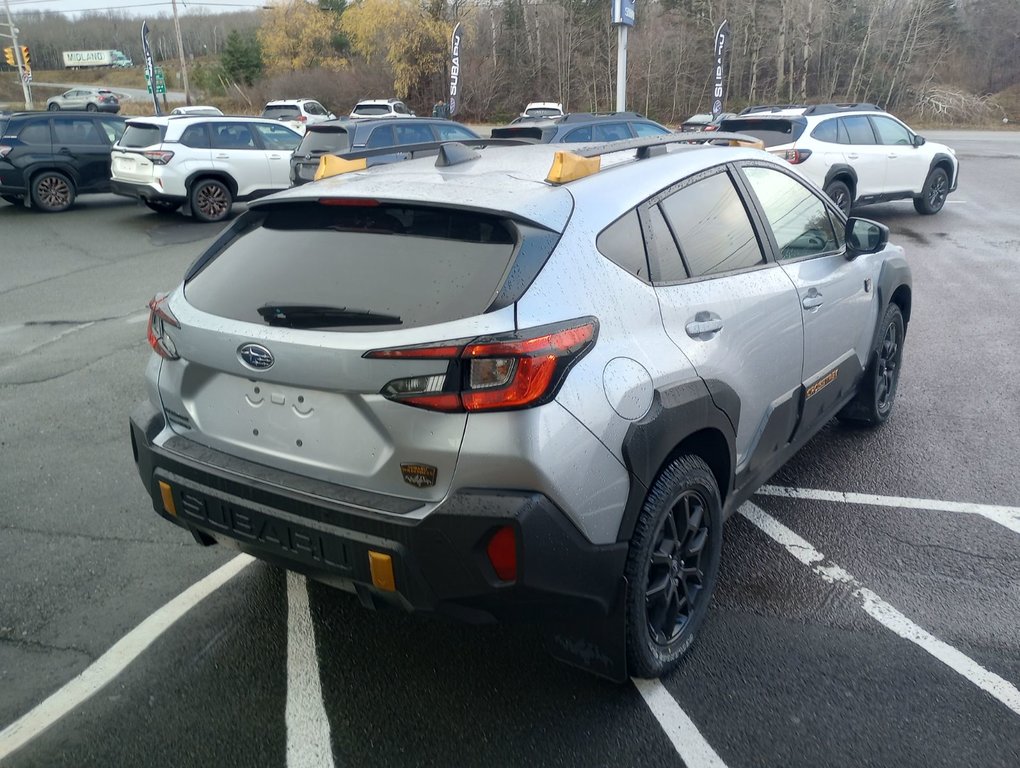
x,y
9,57
25,57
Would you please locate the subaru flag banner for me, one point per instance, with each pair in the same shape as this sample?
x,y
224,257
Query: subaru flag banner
x,y
456,87
150,67
623,12
722,49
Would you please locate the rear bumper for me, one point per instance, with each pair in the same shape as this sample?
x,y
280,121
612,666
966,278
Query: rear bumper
x,y
143,191
439,562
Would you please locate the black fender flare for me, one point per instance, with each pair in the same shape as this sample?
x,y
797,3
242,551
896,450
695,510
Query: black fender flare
x,y
892,277
841,169
676,414
212,173
945,161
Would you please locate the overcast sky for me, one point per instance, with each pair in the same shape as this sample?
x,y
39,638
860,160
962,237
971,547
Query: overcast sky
x,y
136,7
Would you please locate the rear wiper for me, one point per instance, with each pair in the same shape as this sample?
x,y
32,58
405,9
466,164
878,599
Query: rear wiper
x,y
314,316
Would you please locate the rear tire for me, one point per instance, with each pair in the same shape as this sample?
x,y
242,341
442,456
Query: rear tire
x,y
91,108
672,566
52,192
54,107
161,206
840,194
876,392
933,194
210,200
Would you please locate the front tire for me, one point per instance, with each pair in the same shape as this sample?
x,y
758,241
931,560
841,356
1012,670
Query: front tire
x,y
91,108
53,107
210,200
52,192
672,566
840,194
933,194
876,392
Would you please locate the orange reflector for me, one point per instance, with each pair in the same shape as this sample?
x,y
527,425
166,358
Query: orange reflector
x,y
569,167
331,165
756,144
502,552
381,566
168,498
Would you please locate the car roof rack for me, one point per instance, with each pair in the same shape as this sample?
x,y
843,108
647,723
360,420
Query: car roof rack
x,y
830,109
758,108
579,117
449,153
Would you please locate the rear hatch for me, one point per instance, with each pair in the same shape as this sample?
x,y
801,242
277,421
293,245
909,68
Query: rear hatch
x,y
316,285
321,139
773,131
289,115
128,159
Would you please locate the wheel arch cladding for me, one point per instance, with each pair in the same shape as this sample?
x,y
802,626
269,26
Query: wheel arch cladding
x,y
844,173
943,161
683,419
221,176
902,297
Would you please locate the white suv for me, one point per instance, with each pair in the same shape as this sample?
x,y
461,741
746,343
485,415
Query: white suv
x,y
206,162
857,153
297,113
375,108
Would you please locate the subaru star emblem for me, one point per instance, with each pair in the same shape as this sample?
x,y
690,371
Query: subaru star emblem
x,y
256,356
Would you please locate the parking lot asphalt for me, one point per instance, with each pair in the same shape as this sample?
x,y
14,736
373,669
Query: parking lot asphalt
x,y
875,629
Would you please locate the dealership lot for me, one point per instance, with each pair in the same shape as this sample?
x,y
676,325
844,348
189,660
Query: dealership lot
x,y
868,629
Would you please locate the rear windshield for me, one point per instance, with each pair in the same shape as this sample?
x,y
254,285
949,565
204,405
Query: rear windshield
x,y
281,113
773,131
422,265
317,141
542,112
519,132
372,109
142,135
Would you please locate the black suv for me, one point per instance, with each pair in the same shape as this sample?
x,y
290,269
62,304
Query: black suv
x,y
583,126
52,158
335,137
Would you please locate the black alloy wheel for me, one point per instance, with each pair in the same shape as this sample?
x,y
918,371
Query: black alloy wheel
x,y
839,193
210,200
890,355
672,565
933,196
52,192
876,392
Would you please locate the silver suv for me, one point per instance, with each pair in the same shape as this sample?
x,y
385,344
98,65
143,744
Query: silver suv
x,y
518,383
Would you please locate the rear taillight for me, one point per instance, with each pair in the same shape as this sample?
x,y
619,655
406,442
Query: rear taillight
x,y
502,553
303,118
160,317
499,373
4,150
792,156
158,157
711,128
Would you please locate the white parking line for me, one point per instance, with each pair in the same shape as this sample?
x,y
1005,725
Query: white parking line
x,y
882,612
108,666
1008,517
308,743
681,730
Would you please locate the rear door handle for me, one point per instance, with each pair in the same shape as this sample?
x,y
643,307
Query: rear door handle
x,y
893,155
813,301
275,157
222,157
697,328
853,156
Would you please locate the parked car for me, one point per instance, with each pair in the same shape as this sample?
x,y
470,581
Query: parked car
x,y
297,114
336,137
704,122
540,109
196,110
504,384
89,99
857,153
51,159
372,108
207,162
580,127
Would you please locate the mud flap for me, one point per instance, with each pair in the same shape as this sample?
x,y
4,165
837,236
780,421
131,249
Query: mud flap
x,y
597,645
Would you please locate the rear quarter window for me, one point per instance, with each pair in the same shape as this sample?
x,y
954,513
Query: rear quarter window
x,y
36,133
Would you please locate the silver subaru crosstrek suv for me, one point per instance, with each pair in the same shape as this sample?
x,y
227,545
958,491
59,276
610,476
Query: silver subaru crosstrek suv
x,y
518,383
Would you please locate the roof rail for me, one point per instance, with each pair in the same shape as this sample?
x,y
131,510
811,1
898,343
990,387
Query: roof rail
x,y
753,110
450,153
829,109
579,117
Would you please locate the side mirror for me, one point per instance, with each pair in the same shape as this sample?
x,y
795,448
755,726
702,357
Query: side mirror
x,y
864,236
918,140
332,116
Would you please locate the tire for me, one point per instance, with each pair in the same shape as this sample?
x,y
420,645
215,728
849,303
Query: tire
x,y
840,194
210,200
876,392
672,572
53,107
933,194
13,199
161,206
91,108
52,192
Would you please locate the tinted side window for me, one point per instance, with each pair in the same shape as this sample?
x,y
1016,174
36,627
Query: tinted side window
x,y
712,227
648,129
453,132
413,134
195,136
611,132
231,136
622,244
400,109
581,134
276,137
826,132
663,255
381,137
113,129
36,133
799,219
890,132
858,128
81,131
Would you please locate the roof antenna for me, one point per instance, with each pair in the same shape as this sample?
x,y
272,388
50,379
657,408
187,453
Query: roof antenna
x,y
455,153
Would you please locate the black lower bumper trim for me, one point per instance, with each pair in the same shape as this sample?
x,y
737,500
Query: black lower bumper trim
x,y
143,192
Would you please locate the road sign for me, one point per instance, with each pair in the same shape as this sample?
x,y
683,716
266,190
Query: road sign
x,y
160,81
26,76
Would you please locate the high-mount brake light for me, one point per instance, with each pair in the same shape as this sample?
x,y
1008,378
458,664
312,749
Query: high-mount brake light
x,y
349,202
508,372
792,156
160,317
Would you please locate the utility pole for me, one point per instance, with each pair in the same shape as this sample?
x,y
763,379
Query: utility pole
x,y
22,71
622,18
180,50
